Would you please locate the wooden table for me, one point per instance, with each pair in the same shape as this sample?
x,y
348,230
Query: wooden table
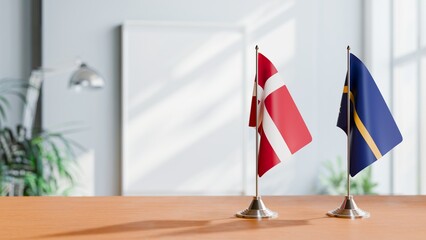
x,y
301,217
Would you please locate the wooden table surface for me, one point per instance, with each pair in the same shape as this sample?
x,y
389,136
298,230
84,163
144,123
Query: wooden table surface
x,y
300,217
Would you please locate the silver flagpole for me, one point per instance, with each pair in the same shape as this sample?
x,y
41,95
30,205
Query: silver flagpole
x,y
257,208
348,119
348,209
257,122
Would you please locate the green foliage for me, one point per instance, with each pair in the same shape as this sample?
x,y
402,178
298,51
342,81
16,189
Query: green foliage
x,y
333,181
37,165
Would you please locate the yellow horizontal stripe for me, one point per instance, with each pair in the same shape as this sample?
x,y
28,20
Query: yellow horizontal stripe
x,y
362,129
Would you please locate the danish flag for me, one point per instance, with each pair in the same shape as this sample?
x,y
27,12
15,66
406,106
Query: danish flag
x,y
281,127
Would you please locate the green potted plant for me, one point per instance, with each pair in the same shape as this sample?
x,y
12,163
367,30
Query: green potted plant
x,y
333,180
36,165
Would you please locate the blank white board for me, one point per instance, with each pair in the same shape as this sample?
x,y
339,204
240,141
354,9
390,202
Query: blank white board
x,y
182,109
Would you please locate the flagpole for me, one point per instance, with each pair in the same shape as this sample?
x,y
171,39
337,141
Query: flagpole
x,y
349,123
257,127
257,208
348,209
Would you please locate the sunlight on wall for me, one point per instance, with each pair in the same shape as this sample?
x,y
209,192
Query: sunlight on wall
x,y
216,44
266,13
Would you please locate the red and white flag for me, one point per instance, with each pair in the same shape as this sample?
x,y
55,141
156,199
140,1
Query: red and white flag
x,y
280,125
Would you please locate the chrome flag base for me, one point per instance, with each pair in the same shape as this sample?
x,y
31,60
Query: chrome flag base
x,y
257,209
348,209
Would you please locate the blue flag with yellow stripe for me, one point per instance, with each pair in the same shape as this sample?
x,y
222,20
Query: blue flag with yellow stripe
x,y
373,129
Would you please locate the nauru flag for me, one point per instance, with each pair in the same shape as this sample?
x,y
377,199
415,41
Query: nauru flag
x,y
373,131
280,125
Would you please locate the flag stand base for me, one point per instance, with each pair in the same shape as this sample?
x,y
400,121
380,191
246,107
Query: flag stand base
x,y
257,209
348,209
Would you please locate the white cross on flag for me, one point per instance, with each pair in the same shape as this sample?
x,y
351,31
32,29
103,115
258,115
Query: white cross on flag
x,y
280,125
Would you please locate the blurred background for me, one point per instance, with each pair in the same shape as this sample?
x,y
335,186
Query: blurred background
x,y
172,117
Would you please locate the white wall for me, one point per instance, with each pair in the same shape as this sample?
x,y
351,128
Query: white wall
x,y
15,47
305,39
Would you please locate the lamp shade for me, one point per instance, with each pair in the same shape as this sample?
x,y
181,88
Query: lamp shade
x,y
86,77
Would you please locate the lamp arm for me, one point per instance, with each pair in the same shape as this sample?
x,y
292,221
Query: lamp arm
x,y
84,76
33,92
46,72
31,100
